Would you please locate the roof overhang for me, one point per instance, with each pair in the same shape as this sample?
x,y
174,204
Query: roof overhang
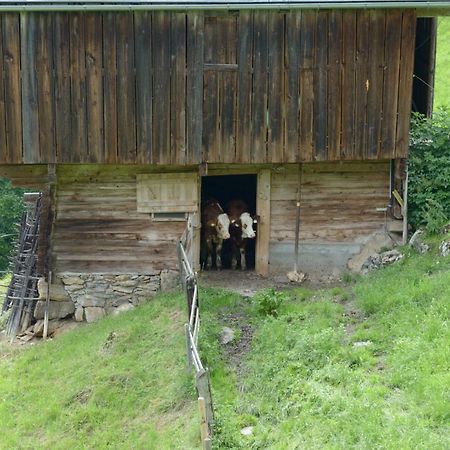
x,y
423,7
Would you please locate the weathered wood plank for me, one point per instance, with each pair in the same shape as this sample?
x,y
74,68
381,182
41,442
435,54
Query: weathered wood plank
x,y
62,86
376,68
6,153
110,88
293,27
94,82
194,87
263,211
348,85
260,87
126,89
78,143
275,138
210,116
161,87
334,121
244,87
178,89
405,82
321,87
144,85
30,113
307,43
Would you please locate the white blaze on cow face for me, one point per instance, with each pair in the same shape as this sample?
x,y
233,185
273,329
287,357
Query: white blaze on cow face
x,y
223,223
247,226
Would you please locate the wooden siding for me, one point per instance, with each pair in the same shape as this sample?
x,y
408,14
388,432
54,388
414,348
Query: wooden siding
x,y
175,88
338,201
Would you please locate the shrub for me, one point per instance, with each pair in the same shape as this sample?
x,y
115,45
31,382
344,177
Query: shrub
x,y
429,171
268,302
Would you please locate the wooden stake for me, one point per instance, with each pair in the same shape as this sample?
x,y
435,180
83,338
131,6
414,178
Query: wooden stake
x,y
206,441
47,306
405,210
297,217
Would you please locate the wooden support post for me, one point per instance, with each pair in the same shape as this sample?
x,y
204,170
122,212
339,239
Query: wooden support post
x,y
405,210
204,390
206,441
47,306
263,211
297,216
188,347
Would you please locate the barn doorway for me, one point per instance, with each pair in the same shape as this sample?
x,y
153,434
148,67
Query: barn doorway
x,y
225,188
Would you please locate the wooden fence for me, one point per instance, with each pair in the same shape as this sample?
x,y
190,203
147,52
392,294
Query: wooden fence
x,y
192,328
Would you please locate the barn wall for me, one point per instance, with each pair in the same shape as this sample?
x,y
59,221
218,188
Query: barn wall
x,y
338,212
176,88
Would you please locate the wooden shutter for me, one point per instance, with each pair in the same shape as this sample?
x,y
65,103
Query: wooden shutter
x,y
167,192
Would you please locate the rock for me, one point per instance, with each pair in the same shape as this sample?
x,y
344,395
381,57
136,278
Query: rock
x,y
91,300
390,257
57,291
444,248
93,314
79,314
226,335
247,431
296,277
416,242
124,289
57,310
362,343
67,325
73,280
169,280
53,325
122,308
378,260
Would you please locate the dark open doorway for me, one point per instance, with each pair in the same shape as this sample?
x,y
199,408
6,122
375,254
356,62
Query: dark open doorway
x,y
225,188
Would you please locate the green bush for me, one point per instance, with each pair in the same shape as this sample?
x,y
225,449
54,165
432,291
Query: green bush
x,y
268,302
11,207
429,171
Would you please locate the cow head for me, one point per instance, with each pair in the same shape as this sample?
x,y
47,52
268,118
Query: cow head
x,y
223,224
247,226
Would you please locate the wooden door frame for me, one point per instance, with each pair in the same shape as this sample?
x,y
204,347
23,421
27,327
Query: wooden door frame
x,y
262,210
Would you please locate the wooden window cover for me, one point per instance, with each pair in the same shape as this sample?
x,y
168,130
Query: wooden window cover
x,y
168,192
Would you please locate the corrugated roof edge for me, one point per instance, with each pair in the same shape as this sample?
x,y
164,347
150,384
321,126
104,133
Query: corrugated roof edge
x,y
125,5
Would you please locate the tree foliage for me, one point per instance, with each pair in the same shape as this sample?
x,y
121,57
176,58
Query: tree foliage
x,y
429,171
11,207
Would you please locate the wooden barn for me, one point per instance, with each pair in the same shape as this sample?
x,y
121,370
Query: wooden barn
x,y
125,114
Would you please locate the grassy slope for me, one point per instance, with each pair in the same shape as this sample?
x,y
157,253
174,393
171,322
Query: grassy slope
x,y
308,386
442,86
93,389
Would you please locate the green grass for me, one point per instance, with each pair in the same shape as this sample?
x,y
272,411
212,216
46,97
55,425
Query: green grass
x,y
442,86
120,383
308,386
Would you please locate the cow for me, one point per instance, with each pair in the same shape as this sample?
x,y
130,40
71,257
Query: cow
x,y
215,227
241,229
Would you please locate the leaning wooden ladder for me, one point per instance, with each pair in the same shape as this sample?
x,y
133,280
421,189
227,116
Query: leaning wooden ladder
x,y
22,290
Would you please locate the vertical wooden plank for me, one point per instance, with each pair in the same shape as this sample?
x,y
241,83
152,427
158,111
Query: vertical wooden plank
x,y
30,117
227,92
45,84
126,85
293,24
348,84
376,69
94,69
334,85
321,87
362,86
275,144
178,89
144,85
307,43
110,84
194,87
244,87
405,82
263,211
391,82
211,119
78,144
260,86
62,86
6,153
161,87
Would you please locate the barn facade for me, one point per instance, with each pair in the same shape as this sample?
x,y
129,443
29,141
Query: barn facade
x,y
125,115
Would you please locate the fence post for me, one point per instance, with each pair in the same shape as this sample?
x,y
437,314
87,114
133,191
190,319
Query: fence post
x,y
190,287
206,441
204,390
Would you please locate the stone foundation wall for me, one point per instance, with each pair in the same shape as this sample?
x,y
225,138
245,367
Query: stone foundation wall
x,y
97,295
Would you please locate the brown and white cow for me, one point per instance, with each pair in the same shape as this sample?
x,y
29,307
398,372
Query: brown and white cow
x,y
215,229
241,229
